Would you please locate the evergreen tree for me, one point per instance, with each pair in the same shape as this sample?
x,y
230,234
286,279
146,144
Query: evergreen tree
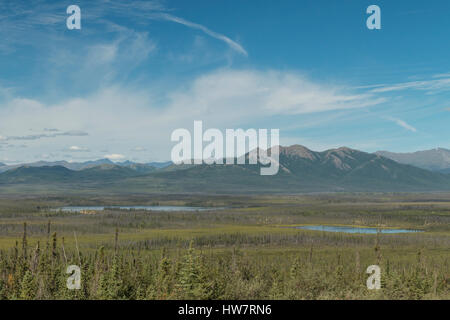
x,y
28,287
190,283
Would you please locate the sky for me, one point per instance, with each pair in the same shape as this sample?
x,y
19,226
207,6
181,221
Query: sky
x,y
137,70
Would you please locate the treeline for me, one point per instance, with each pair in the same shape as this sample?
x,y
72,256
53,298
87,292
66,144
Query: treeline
x,y
266,239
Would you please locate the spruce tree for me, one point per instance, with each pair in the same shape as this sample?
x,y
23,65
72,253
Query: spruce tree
x,y
28,287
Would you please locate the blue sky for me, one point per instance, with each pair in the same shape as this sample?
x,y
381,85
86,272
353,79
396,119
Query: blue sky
x,y
138,70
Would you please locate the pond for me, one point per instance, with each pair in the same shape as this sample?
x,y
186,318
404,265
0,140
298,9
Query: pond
x,y
147,208
348,229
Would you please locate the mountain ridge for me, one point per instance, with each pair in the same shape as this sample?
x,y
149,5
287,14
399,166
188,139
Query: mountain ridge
x,y
437,159
147,167
301,170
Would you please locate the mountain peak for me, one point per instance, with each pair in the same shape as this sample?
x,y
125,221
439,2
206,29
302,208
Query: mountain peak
x,y
346,149
298,150
341,150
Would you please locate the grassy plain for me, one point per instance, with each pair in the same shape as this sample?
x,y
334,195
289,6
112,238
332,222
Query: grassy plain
x,y
248,250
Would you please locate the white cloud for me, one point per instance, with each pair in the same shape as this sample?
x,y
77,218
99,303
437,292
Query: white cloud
x,y
129,49
78,149
115,116
234,45
237,94
403,124
432,86
442,75
102,53
114,156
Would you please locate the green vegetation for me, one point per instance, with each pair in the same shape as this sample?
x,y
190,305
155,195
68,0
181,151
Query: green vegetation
x,y
246,251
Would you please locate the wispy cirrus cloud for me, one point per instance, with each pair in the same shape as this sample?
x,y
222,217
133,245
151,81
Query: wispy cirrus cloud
x,y
155,10
20,18
402,124
442,75
432,86
233,44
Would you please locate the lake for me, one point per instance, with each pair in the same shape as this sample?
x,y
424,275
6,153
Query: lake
x,y
147,208
345,229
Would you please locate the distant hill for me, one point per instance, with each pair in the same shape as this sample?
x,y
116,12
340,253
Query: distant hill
x,y
301,170
160,165
139,167
435,159
143,168
445,171
65,164
45,174
60,174
105,172
88,164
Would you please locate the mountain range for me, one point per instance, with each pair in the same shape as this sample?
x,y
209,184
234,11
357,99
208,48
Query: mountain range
x,y
142,167
301,170
435,159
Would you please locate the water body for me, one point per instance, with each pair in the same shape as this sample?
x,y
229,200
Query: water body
x,y
356,229
147,208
